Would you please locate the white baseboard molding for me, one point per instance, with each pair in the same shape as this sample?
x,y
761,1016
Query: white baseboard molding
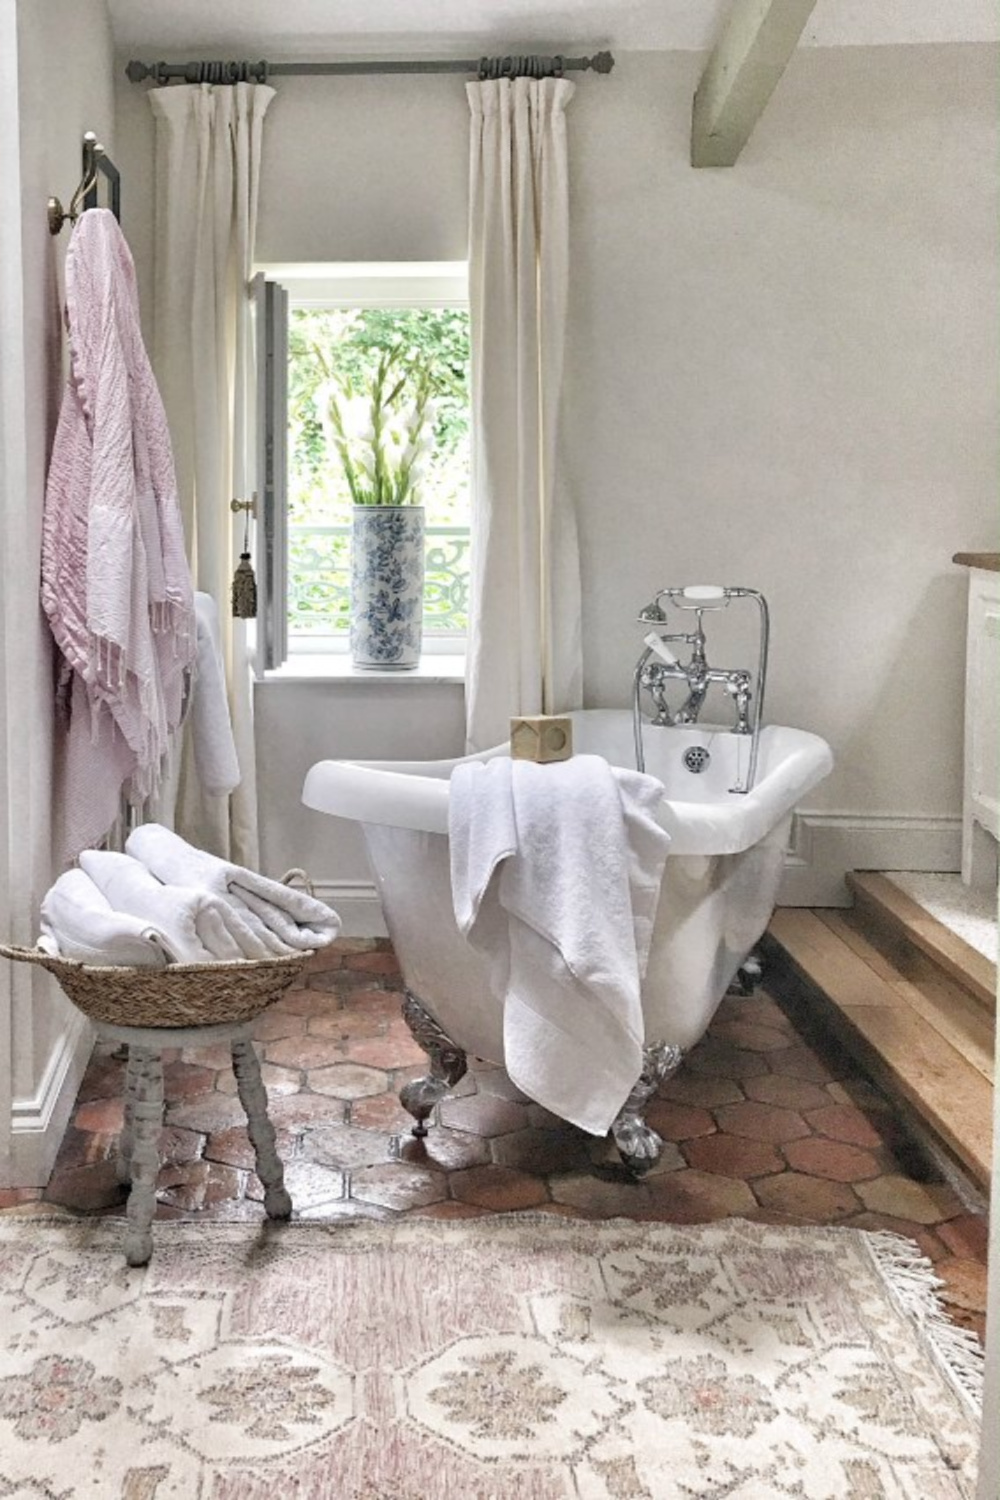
x,y
825,847
357,904
38,1122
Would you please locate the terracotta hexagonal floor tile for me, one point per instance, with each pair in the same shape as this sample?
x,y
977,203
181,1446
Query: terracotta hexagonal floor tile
x,y
348,1025
495,1081
218,1057
834,1160
179,1145
304,1052
732,1156
348,1081
964,1283
761,1122
304,1110
483,1114
207,1113
233,1148
967,1236
310,1002
382,963
343,1146
445,1150
273,1025
678,1122
602,1197
759,1009
720,1060
542,1152
700,1090
802,1062
499,1188
695,1197
104,1078
924,1202
381,1112
398,1185
101,1116
788,1093
842,1122
449,1209
750,1036
386,1052
809,1198
193,1185
86,1189
926,1239
277,1081
308,1183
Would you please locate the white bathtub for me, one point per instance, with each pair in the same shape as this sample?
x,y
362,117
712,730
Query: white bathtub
x,y
719,887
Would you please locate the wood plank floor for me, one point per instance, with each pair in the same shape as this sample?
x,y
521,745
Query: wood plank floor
x,y
912,1024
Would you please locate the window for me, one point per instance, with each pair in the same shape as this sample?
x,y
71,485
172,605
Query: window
x,y
341,321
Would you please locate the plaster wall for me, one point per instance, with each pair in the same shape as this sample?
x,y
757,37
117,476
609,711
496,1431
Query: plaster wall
x,y
779,374
61,66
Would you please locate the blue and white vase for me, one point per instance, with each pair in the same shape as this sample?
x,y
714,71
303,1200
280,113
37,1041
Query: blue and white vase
x,y
387,586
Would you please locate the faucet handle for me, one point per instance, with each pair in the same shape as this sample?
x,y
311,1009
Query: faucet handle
x,y
660,648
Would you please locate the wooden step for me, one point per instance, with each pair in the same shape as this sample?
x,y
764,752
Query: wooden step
x,y
924,1039
895,921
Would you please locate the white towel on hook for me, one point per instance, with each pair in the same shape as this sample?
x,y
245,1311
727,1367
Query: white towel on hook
x,y
215,760
78,921
199,927
555,873
292,918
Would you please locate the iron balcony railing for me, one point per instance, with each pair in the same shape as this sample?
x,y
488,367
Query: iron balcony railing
x,y
319,580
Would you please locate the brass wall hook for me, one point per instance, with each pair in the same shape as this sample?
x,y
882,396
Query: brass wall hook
x,y
93,151
250,506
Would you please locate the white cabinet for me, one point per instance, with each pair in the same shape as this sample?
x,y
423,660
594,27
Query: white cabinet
x,y
981,799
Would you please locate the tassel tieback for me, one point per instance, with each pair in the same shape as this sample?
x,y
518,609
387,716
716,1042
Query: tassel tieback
x,y
244,590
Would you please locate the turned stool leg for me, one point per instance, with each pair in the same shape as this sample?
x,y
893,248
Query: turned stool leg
x,y
253,1097
146,1071
123,1163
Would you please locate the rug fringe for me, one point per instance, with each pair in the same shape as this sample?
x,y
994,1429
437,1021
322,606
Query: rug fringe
x,y
914,1283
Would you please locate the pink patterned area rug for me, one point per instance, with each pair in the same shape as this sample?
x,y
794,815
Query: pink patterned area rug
x,y
515,1358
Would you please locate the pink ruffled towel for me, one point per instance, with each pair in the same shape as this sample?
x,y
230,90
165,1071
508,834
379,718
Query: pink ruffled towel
x,y
115,579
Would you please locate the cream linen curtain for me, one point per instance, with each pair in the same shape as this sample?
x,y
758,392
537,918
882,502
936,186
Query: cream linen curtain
x,y
208,148
524,630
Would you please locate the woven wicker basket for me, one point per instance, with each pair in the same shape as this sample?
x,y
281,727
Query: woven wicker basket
x,y
178,995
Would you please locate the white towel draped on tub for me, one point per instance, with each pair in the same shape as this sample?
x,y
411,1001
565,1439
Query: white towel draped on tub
x,y
79,922
283,918
555,873
199,926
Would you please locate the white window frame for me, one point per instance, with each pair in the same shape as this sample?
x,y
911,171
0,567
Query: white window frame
x,y
384,284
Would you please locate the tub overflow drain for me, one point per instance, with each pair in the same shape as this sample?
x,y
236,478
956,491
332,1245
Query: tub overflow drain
x,y
697,758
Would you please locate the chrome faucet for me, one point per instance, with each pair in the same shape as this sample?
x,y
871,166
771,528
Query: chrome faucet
x,y
658,666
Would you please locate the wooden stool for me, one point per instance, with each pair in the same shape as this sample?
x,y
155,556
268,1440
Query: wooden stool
x,y
138,1152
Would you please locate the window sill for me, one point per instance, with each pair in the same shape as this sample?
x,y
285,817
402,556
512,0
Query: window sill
x,y
311,666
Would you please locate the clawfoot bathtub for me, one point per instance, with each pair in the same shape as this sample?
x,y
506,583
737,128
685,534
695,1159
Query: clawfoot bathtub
x,y
719,888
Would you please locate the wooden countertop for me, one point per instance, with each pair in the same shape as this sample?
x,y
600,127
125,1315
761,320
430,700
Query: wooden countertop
x,y
988,560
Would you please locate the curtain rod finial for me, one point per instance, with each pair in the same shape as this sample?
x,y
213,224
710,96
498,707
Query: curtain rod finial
x,y
602,62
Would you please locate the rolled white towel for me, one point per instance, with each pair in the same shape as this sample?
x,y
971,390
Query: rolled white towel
x,y
199,926
78,921
295,918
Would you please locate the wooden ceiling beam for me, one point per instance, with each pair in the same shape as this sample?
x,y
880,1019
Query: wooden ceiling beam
x,y
741,75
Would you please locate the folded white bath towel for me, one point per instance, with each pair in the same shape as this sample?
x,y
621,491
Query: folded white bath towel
x,y
555,873
215,760
199,926
78,921
291,918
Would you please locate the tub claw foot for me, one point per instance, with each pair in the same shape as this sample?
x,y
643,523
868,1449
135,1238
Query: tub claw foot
x,y
748,976
448,1064
639,1146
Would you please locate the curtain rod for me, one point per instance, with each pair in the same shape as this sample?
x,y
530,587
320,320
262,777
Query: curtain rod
x,y
511,66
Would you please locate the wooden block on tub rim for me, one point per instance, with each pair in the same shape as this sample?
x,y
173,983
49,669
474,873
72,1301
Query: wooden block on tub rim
x,y
541,737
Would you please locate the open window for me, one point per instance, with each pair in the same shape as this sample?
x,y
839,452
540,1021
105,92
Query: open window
x,y
322,329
